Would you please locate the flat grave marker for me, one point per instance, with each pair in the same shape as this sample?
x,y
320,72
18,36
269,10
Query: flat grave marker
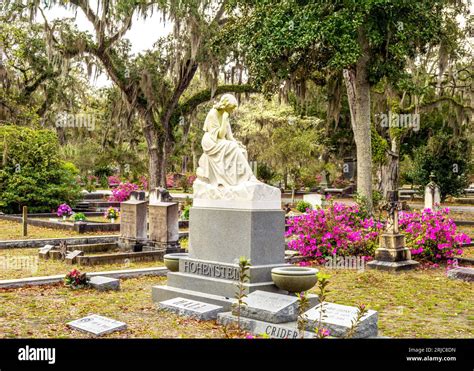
x,y
338,319
191,308
97,325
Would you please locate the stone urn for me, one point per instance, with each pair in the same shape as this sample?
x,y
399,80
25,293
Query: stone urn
x,y
294,279
172,261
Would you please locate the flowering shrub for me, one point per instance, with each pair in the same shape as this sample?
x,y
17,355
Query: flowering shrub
x,y
143,180
64,210
344,231
431,235
76,280
170,180
191,179
337,230
123,191
113,181
111,213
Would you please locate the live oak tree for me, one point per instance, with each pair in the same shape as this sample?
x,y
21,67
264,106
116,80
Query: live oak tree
x,y
294,41
34,86
153,82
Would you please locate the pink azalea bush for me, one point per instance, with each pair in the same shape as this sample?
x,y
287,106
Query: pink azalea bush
x,y
113,180
143,180
431,235
170,183
341,230
337,230
123,191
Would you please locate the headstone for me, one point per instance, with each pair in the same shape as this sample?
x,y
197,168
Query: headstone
x,y
132,224
324,179
432,194
97,325
462,273
233,215
338,320
163,226
160,195
349,168
315,199
191,308
102,283
270,307
137,196
44,251
72,255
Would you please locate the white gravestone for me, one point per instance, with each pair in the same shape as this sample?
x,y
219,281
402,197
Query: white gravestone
x,y
338,320
315,199
97,325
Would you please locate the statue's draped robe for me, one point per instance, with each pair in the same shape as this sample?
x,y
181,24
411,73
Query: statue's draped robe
x,y
224,161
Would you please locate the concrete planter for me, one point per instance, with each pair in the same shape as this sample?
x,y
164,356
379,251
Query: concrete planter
x,y
172,261
294,279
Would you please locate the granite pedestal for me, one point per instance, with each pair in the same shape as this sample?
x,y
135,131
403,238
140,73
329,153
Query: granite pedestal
x,y
218,238
163,227
392,255
132,225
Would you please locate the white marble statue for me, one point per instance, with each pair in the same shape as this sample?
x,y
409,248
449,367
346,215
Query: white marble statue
x,y
224,174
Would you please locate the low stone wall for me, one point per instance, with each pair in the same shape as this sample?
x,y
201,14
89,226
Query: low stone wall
x,y
120,257
49,280
15,244
80,227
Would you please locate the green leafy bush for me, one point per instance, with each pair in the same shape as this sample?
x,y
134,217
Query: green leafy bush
x,y
302,206
185,213
32,173
79,217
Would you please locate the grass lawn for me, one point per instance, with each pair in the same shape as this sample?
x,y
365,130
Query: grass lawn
x,y
10,230
30,265
422,303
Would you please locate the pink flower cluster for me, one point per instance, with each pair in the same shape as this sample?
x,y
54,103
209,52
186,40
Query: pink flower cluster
x,y
143,180
170,180
340,230
113,180
123,191
191,179
337,230
64,210
431,235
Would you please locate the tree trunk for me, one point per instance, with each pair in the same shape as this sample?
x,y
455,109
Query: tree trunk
x,y
154,168
389,171
358,93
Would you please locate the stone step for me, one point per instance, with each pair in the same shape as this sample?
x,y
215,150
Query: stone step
x,y
210,285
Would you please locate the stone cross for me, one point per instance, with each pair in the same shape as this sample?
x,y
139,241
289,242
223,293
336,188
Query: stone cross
x,y
392,208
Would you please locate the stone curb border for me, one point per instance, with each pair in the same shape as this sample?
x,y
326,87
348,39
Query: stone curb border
x,y
40,242
25,244
48,280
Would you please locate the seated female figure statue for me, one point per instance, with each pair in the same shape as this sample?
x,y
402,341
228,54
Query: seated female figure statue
x,y
224,161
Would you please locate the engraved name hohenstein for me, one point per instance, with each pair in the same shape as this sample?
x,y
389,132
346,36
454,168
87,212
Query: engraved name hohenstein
x,y
211,270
